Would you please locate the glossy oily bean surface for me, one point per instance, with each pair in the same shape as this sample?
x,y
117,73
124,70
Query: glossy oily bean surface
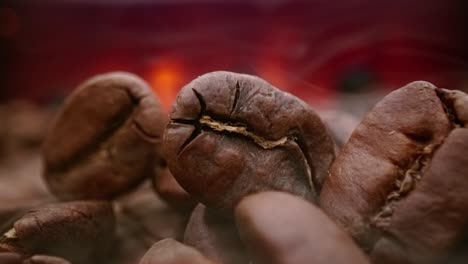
x,y
105,140
233,134
399,184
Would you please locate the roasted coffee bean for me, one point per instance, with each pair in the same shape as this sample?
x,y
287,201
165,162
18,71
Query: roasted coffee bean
x,y
78,231
105,140
233,134
169,251
170,191
399,184
215,236
280,228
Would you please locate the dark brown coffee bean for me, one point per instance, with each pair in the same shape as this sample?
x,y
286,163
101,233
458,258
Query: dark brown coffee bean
x,y
169,251
170,191
77,231
41,259
280,228
399,184
105,140
233,134
215,236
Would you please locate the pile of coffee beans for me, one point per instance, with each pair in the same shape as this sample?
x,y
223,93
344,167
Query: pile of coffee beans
x,y
251,174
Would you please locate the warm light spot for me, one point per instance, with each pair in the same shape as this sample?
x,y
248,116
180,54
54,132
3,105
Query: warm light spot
x,y
166,80
274,73
9,22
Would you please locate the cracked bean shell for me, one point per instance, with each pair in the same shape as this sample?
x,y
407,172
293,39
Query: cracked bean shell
x,y
233,134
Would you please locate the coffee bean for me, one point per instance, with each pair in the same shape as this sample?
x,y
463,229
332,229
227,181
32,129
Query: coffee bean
x,y
215,236
399,184
79,231
280,228
105,140
169,251
233,134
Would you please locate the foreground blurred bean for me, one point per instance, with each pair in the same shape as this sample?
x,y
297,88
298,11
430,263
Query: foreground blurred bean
x,y
279,228
81,232
169,251
399,184
105,140
216,237
234,134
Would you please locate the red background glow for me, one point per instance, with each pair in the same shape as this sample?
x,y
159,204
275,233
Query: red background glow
x,y
307,48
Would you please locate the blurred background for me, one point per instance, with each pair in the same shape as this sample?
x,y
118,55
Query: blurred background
x,y
341,57
314,49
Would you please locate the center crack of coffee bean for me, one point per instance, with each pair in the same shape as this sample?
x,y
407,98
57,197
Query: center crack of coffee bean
x,y
206,121
405,184
219,126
